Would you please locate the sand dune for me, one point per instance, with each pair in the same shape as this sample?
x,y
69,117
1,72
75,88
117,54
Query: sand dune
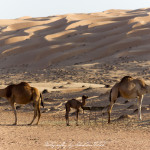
x,y
121,31
68,56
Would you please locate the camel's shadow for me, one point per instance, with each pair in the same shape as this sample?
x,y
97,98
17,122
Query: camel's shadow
x,y
137,123
144,123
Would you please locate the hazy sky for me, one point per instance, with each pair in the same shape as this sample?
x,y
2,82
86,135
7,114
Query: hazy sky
x,y
43,8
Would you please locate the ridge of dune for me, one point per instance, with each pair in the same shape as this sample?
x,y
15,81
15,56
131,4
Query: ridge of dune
x,y
57,39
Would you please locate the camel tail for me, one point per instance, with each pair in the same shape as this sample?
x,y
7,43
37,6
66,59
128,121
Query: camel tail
x,y
42,103
110,95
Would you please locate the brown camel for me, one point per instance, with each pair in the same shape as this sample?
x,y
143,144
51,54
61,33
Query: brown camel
x,y
76,105
23,93
129,88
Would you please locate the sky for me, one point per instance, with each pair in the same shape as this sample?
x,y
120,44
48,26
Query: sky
x,y
11,9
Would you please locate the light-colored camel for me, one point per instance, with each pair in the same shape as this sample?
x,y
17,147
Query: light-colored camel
x,y
23,93
128,88
76,105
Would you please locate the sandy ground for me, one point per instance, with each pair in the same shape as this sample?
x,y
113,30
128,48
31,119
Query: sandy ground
x,y
53,134
69,56
93,131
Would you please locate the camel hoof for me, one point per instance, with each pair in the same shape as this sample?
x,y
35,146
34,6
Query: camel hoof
x,y
68,124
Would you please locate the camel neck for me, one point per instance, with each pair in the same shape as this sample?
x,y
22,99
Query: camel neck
x,y
2,93
83,101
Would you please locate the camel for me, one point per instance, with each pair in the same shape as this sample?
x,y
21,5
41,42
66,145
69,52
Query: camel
x,y
128,88
76,105
23,93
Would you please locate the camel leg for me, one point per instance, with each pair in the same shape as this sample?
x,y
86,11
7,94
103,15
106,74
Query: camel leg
x,y
67,118
67,115
77,113
39,114
139,103
35,114
110,109
15,113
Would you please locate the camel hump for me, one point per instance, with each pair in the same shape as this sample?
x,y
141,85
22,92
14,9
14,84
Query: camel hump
x,y
24,84
10,87
126,78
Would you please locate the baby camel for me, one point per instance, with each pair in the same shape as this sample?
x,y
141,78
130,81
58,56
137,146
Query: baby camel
x,y
23,93
128,88
76,105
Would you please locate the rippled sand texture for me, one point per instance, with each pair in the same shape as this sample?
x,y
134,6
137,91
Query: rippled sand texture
x,y
74,38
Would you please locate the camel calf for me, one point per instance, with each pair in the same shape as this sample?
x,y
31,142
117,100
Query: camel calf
x,y
129,88
23,93
76,105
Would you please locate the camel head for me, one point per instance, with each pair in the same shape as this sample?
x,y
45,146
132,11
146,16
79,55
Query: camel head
x,y
84,97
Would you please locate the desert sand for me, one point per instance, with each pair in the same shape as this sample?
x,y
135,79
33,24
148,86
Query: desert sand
x,y
68,56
